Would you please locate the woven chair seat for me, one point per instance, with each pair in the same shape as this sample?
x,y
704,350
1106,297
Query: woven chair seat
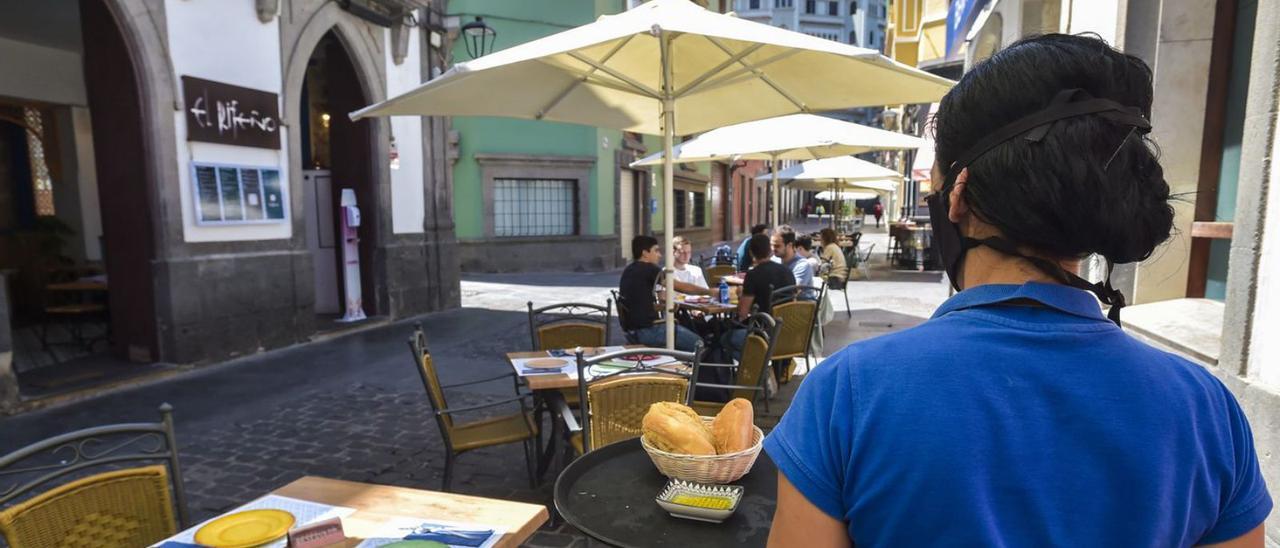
x,y
492,431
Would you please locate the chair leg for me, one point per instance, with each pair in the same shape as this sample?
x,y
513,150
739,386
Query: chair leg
x,y
847,312
448,472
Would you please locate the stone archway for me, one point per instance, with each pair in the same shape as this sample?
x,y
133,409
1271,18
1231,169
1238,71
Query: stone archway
x,y
363,47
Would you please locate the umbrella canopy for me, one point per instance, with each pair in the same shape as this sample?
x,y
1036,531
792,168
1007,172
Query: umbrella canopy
x,y
841,186
723,70
633,71
850,196
844,168
793,137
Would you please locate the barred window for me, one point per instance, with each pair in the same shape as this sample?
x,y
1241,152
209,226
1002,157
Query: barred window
x,y
699,208
682,208
535,207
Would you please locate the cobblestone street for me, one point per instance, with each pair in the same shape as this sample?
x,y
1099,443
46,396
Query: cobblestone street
x,y
353,407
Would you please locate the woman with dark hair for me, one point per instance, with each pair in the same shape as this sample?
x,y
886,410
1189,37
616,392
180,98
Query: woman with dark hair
x,y
833,255
1020,414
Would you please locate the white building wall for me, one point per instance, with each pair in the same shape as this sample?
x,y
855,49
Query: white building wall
x,y
225,42
408,208
41,73
1264,355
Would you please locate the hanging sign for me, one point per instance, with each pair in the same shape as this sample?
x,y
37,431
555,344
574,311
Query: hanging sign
x,y
231,115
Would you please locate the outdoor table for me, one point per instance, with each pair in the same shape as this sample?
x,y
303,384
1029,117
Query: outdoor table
x,y
377,505
546,389
609,494
710,308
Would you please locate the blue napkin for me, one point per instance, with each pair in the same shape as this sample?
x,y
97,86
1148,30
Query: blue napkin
x,y
454,537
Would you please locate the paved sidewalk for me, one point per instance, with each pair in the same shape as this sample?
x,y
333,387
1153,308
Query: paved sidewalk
x,y
354,408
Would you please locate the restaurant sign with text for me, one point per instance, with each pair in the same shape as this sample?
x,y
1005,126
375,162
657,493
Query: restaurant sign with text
x,y
231,115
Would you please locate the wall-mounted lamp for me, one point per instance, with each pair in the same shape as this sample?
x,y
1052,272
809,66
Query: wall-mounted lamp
x,y
479,37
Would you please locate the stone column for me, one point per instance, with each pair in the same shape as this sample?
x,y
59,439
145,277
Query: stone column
x,y
8,379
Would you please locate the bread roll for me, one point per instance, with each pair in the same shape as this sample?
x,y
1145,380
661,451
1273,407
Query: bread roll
x,y
732,428
675,428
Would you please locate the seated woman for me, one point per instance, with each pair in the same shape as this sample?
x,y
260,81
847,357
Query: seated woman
x,y
1021,414
831,253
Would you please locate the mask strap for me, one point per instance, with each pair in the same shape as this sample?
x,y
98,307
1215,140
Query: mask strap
x,y
1105,292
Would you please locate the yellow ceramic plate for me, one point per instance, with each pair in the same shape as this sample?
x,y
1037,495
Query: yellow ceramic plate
x,y
245,529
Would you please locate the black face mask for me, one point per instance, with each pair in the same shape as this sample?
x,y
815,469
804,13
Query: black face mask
x,y
949,243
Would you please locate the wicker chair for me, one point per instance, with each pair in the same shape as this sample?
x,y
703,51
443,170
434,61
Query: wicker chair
x,y
570,325
796,308
120,508
749,373
615,404
462,437
716,273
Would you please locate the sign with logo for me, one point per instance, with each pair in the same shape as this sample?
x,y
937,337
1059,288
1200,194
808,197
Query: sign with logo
x,y
231,115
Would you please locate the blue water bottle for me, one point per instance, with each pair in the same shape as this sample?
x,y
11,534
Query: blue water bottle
x,y
724,292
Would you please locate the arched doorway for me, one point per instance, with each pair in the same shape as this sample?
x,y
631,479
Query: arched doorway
x,y
76,225
336,154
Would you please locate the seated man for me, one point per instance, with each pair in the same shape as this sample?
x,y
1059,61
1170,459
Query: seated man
x,y
784,247
685,272
764,277
744,256
636,291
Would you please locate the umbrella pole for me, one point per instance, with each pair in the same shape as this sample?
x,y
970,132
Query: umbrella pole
x,y
776,190
668,190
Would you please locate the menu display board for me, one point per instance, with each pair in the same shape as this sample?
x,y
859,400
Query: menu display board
x,y
237,194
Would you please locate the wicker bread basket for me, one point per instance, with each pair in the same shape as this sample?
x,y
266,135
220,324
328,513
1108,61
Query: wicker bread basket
x,y
714,469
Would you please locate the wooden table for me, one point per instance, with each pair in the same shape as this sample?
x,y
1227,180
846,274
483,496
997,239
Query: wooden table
x,y
378,504
550,381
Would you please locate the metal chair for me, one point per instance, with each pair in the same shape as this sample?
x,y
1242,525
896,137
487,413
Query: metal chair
x,y
622,318
487,432
570,325
749,374
613,405
863,262
124,507
796,307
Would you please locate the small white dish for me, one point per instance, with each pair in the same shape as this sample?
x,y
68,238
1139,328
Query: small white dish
x,y
709,503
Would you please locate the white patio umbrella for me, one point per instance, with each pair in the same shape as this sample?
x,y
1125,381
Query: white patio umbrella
x,y
851,196
792,137
839,173
634,71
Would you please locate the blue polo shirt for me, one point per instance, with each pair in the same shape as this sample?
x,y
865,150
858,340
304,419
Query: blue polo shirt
x,y
1019,416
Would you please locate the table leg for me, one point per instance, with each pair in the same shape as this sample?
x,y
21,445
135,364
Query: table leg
x,y
553,400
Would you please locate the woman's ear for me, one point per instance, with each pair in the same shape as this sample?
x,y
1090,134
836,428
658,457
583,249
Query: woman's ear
x,y
959,208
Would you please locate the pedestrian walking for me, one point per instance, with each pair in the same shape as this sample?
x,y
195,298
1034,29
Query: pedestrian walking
x,y
878,211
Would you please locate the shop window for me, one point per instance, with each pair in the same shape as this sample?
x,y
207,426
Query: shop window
x,y
535,207
681,203
41,182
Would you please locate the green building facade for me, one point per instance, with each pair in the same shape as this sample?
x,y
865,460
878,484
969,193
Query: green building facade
x,y
533,195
